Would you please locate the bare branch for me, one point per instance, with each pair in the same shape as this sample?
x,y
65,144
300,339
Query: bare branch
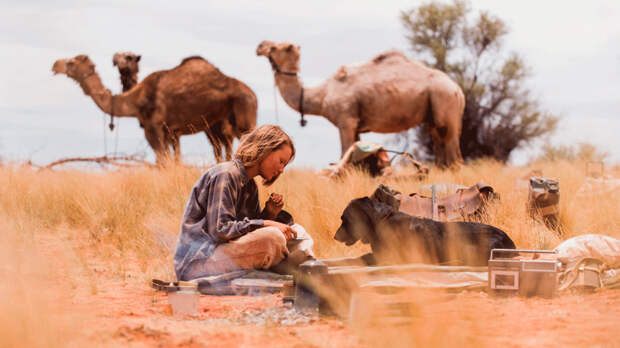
x,y
118,161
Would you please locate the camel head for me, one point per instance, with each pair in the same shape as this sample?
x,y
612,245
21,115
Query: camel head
x,y
78,68
284,56
127,62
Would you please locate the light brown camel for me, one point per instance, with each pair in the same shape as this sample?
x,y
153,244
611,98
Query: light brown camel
x,y
219,134
169,103
388,94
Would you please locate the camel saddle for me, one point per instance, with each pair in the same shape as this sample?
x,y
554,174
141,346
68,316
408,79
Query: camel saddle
x,y
458,206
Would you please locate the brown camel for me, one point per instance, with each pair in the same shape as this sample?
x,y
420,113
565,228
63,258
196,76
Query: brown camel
x,y
388,94
219,134
128,67
169,103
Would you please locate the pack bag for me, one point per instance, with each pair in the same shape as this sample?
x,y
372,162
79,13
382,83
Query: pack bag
x,y
596,246
544,201
462,205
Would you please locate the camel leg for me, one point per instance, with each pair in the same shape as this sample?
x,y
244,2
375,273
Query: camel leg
x,y
227,137
452,151
217,148
439,147
228,146
447,109
348,134
171,139
446,146
176,146
156,138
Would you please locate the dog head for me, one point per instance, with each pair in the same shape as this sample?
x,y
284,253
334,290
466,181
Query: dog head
x,y
359,220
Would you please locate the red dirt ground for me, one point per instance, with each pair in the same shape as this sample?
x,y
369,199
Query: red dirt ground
x,y
125,312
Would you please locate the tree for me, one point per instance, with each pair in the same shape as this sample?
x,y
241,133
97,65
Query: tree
x,y
583,152
500,113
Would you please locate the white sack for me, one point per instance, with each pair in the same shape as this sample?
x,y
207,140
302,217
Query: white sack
x,y
597,246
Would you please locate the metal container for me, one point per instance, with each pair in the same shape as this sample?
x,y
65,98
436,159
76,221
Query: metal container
x,y
288,293
584,275
544,200
514,274
184,302
306,293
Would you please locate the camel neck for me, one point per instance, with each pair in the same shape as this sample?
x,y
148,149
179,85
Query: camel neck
x,y
291,90
128,81
117,105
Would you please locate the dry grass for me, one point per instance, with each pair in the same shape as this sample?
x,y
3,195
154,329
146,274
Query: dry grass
x,y
135,214
31,300
138,211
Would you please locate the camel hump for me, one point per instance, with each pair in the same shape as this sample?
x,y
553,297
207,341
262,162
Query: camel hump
x,y
341,74
387,55
185,60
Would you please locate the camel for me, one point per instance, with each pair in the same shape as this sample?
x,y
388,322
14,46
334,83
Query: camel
x,y
388,94
169,103
128,67
220,133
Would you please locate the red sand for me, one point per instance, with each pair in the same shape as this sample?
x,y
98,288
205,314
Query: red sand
x,y
126,312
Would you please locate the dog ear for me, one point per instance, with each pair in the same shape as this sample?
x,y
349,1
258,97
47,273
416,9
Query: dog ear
x,y
382,210
376,211
366,205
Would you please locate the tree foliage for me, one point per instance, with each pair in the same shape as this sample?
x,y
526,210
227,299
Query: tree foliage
x,y
500,112
583,152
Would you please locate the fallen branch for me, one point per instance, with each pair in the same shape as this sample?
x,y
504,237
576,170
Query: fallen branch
x,y
119,161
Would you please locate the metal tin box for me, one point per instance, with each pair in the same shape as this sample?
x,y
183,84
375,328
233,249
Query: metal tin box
x,y
510,271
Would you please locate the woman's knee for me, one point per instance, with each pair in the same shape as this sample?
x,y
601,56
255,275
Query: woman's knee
x,y
273,245
270,237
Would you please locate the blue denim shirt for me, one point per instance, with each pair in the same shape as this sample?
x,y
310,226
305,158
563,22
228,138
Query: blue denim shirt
x,y
222,205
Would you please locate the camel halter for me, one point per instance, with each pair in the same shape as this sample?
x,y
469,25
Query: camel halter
x,y
277,70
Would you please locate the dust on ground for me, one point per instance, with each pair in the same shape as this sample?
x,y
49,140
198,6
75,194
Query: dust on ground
x,y
107,309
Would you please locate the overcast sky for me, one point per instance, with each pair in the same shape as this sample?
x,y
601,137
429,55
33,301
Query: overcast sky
x,y
572,47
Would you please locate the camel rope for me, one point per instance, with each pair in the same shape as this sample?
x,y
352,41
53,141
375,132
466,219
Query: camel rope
x,y
275,102
105,140
303,121
116,140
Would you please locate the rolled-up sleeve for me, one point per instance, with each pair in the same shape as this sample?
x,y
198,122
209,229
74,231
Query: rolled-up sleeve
x,y
222,224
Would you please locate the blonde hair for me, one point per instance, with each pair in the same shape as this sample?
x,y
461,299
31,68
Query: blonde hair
x,y
259,143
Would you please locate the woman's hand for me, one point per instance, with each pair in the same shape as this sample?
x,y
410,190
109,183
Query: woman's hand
x,y
288,232
273,206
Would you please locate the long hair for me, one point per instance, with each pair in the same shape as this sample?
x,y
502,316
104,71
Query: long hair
x,y
259,143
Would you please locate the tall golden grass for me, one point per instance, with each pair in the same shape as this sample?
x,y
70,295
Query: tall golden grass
x,y
138,211
135,215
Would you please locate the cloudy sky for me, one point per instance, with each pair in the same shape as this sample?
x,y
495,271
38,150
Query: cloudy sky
x,y
572,47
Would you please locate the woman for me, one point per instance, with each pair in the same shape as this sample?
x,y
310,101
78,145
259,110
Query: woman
x,y
223,228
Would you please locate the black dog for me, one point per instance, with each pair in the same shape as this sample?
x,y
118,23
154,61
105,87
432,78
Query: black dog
x,y
397,238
